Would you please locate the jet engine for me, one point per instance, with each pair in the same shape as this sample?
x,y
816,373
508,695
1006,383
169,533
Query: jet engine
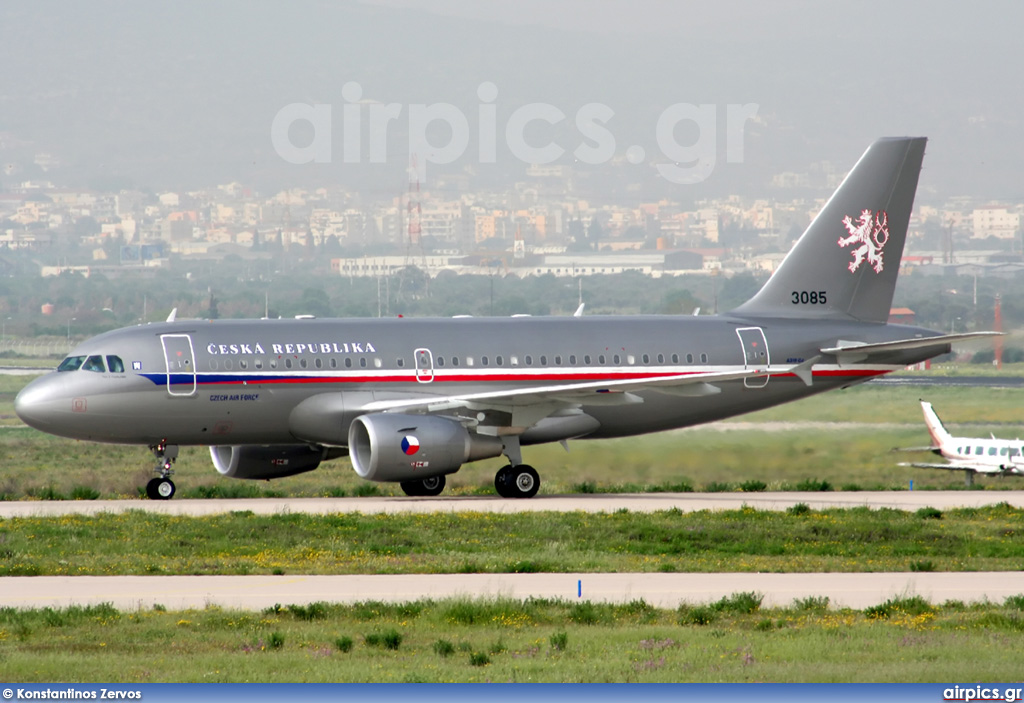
x,y
266,462
387,447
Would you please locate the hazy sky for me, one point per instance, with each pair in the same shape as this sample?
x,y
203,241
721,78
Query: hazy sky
x,y
185,94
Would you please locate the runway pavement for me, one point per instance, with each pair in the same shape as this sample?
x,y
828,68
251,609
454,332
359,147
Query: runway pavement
x,y
858,590
592,503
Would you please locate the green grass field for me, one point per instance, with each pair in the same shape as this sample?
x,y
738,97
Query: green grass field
x,y
732,640
748,540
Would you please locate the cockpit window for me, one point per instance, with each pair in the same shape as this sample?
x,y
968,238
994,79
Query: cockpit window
x,y
72,363
94,363
115,364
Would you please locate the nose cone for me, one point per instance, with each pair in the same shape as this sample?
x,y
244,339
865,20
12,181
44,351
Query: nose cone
x,y
42,402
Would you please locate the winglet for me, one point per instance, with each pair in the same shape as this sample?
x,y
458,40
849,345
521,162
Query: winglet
x,y
173,316
579,310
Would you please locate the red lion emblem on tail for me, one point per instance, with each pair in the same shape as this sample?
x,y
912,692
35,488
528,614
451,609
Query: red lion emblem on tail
x,y
871,232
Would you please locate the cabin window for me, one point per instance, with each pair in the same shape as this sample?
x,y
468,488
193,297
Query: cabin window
x,y
227,364
400,362
543,360
94,363
615,359
303,363
72,363
455,361
213,364
498,360
362,362
115,364
287,364
439,361
318,362
1014,451
572,360
646,358
703,358
243,364
558,360
689,358
377,363
273,363
1002,452
469,361
991,451
258,363
600,359
661,358
586,359
483,361
348,363
334,363
528,359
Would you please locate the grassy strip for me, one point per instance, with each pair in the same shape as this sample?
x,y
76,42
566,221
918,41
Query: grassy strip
x,y
705,458
800,540
904,639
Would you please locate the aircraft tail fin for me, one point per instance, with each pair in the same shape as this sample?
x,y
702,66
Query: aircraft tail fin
x,y
845,264
939,434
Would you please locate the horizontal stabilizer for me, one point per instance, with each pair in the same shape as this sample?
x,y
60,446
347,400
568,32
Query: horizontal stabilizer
x,y
863,351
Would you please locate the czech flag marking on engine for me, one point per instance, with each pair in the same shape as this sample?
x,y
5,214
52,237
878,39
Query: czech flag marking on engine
x,y
410,445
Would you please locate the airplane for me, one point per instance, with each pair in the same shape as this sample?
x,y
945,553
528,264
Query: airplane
x,y
412,400
972,455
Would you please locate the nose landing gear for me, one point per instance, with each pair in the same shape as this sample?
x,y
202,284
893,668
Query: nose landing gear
x,y
162,487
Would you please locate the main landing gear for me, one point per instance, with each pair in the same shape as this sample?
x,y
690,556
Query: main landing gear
x,y
162,487
424,487
517,480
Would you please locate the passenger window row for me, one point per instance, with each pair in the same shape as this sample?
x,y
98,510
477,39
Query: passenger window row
x,y
455,361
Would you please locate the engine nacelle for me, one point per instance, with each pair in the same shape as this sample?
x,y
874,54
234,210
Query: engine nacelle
x,y
266,462
386,447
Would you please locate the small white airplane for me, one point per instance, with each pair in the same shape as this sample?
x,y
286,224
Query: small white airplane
x,y
972,455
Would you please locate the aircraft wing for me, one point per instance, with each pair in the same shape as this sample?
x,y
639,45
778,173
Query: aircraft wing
x,y
856,351
976,468
590,392
952,467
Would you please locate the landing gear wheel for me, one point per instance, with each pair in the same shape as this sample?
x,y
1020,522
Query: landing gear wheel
x,y
517,482
432,486
503,482
160,489
424,487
